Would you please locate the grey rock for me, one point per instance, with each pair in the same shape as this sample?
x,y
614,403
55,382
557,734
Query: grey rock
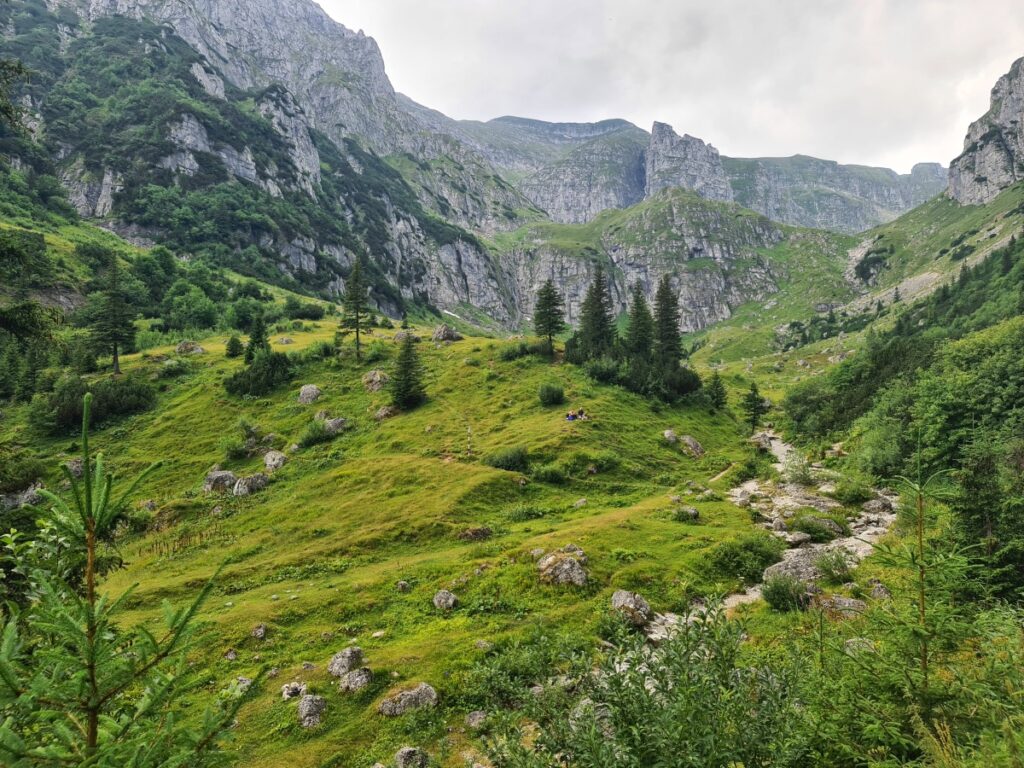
x,y
632,607
445,600
563,567
411,757
879,591
475,720
670,436
335,426
375,381
879,506
401,336
403,586
845,606
259,632
345,661
75,467
355,680
687,162
691,446
249,485
445,332
420,697
274,460
309,394
219,481
293,690
189,348
385,412
311,709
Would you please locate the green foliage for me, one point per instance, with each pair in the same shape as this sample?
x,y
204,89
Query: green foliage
x,y
516,459
550,394
259,342
746,557
549,314
668,346
596,335
754,406
267,372
835,565
785,593
639,341
18,470
357,303
316,432
234,347
549,473
61,410
110,313
407,390
716,393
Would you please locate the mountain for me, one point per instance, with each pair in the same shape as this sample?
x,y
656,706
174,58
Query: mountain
x,y
993,156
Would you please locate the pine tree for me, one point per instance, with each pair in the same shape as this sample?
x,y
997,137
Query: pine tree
x,y
597,331
80,685
668,343
234,347
754,406
111,315
405,321
716,392
258,339
407,382
549,314
357,303
640,331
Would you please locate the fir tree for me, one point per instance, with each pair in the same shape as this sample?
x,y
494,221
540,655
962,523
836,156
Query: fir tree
x,y
596,335
754,406
258,340
111,314
405,320
640,331
716,392
549,314
668,344
234,347
407,382
356,303
80,685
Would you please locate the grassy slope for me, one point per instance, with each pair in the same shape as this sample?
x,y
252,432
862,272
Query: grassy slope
x,y
341,523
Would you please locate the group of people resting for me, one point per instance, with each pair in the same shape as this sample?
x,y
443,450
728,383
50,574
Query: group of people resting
x,y
579,415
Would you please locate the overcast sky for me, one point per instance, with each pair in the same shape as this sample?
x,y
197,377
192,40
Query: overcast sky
x,y
881,82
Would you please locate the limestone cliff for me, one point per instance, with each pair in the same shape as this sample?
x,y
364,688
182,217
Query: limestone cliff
x,y
687,162
993,156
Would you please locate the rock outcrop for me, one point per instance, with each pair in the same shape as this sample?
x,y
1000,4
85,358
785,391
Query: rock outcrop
x,y
423,695
687,162
993,156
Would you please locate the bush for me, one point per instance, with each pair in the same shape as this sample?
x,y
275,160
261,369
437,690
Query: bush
x,y
520,513
604,370
314,434
510,459
268,371
797,469
550,394
813,523
61,410
746,558
785,593
234,347
320,350
549,473
853,489
514,352
18,470
375,351
835,565
172,369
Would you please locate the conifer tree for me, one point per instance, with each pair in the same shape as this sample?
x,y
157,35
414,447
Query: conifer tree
x,y
596,335
79,686
357,303
549,314
716,392
258,339
668,344
407,389
640,332
234,347
111,314
754,406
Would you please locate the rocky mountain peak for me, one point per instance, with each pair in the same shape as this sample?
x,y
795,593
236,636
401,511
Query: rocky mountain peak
x,y
687,162
993,156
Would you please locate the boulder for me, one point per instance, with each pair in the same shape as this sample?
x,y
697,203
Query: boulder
x,y
274,460
683,514
762,441
879,591
401,336
385,412
189,348
292,690
309,394
249,485
476,534
411,757
827,523
670,436
475,720
579,504
445,332
445,600
355,680
879,506
564,566
632,607
845,606
420,697
375,381
285,340
75,467
220,481
691,446
29,497
798,563
335,426
259,632
345,661
310,710
403,586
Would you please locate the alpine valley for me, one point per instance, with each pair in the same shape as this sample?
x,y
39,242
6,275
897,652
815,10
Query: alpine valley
x,y
510,444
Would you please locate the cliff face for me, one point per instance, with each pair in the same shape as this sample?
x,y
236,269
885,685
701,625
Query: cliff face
x,y
687,162
993,156
823,194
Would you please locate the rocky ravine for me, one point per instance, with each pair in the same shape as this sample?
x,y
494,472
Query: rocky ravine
x,y
993,156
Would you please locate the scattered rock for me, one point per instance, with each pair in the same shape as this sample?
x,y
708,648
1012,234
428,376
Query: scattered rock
x,y
879,591
858,645
401,336
335,426
423,695
189,348
670,436
476,534
475,720
259,632
249,485
403,586
231,654
292,690
687,513
445,332
345,661
75,467
879,506
482,645
274,460
846,606
445,600
411,757
375,381
385,412
762,441
579,504
691,446
564,566
309,394
797,538
285,340
310,710
355,680
149,505
220,481
307,665
537,553
632,607
827,523
243,684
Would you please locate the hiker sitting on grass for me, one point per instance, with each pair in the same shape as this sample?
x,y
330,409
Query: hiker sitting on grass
x,y
570,416
581,415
